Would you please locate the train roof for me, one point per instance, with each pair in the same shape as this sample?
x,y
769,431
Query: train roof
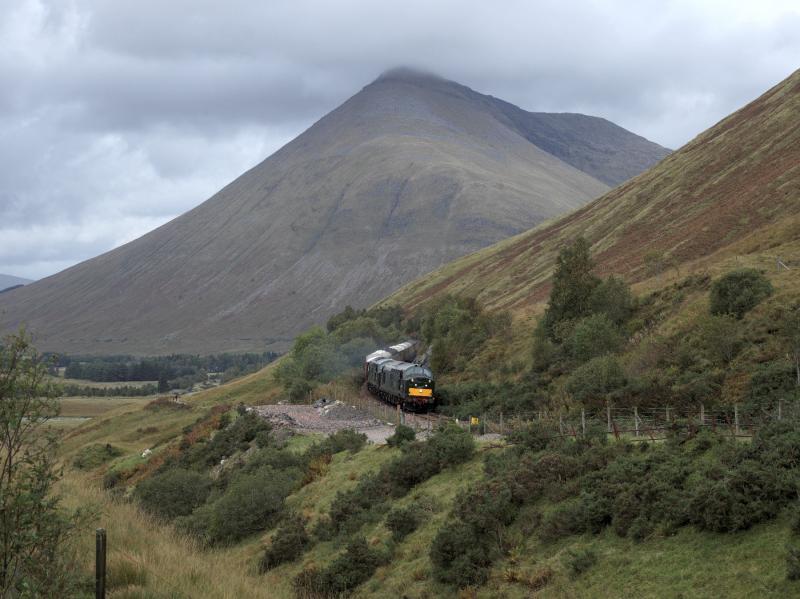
x,y
381,353
406,367
402,346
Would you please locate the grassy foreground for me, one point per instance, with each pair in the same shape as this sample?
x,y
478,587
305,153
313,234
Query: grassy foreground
x,y
147,559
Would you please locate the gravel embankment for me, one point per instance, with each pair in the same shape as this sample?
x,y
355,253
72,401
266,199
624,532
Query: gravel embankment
x,y
325,418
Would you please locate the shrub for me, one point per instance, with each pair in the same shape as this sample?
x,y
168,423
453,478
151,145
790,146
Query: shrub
x,y
343,440
95,455
402,522
792,562
287,544
174,493
738,292
591,383
451,445
579,561
533,436
749,493
458,556
402,434
252,503
595,336
566,519
349,570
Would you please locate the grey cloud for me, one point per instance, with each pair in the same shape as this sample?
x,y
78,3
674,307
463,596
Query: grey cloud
x,y
116,116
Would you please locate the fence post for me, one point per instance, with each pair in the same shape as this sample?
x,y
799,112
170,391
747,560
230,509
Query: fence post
x,y
583,421
398,414
636,420
667,412
560,423
702,414
501,423
780,409
100,564
736,417
608,416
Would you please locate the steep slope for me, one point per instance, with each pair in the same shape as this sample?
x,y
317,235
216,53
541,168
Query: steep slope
x,y
410,173
734,188
7,281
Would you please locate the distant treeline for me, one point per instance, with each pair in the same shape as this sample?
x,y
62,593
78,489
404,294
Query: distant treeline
x,y
72,390
172,372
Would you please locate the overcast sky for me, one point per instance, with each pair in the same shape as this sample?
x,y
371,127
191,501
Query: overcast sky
x,y
116,116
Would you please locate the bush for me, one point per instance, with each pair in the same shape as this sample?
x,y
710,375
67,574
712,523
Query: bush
x,y
252,503
288,543
459,557
402,522
95,455
237,437
749,493
595,336
402,434
533,436
174,493
738,292
580,561
451,446
349,570
792,562
591,383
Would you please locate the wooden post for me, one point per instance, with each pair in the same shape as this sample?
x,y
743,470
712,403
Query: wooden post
x,y
736,417
560,423
583,421
398,414
702,414
482,425
636,420
608,416
100,564
780,409
667,412
501,423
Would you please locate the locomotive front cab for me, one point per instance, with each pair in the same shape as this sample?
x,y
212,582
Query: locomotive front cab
x,y
419,386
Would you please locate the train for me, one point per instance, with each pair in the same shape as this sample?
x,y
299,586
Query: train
x,y
392,377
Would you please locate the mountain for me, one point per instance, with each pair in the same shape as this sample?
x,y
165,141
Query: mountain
x,y
8,281
410,173
733,190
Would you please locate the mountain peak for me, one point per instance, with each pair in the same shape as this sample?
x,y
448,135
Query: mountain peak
x,y
410,74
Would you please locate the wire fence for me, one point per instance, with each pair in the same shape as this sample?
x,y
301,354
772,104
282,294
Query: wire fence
x,y
635,424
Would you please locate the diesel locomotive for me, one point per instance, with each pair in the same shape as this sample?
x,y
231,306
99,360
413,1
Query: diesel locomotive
x,y
392,377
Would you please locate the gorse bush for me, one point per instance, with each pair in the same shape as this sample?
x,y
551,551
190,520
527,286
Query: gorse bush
x,y
238,436
418,461
250,504
738,292
403,521
95,455
349,570
173,493
288,543
580,561
402,434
